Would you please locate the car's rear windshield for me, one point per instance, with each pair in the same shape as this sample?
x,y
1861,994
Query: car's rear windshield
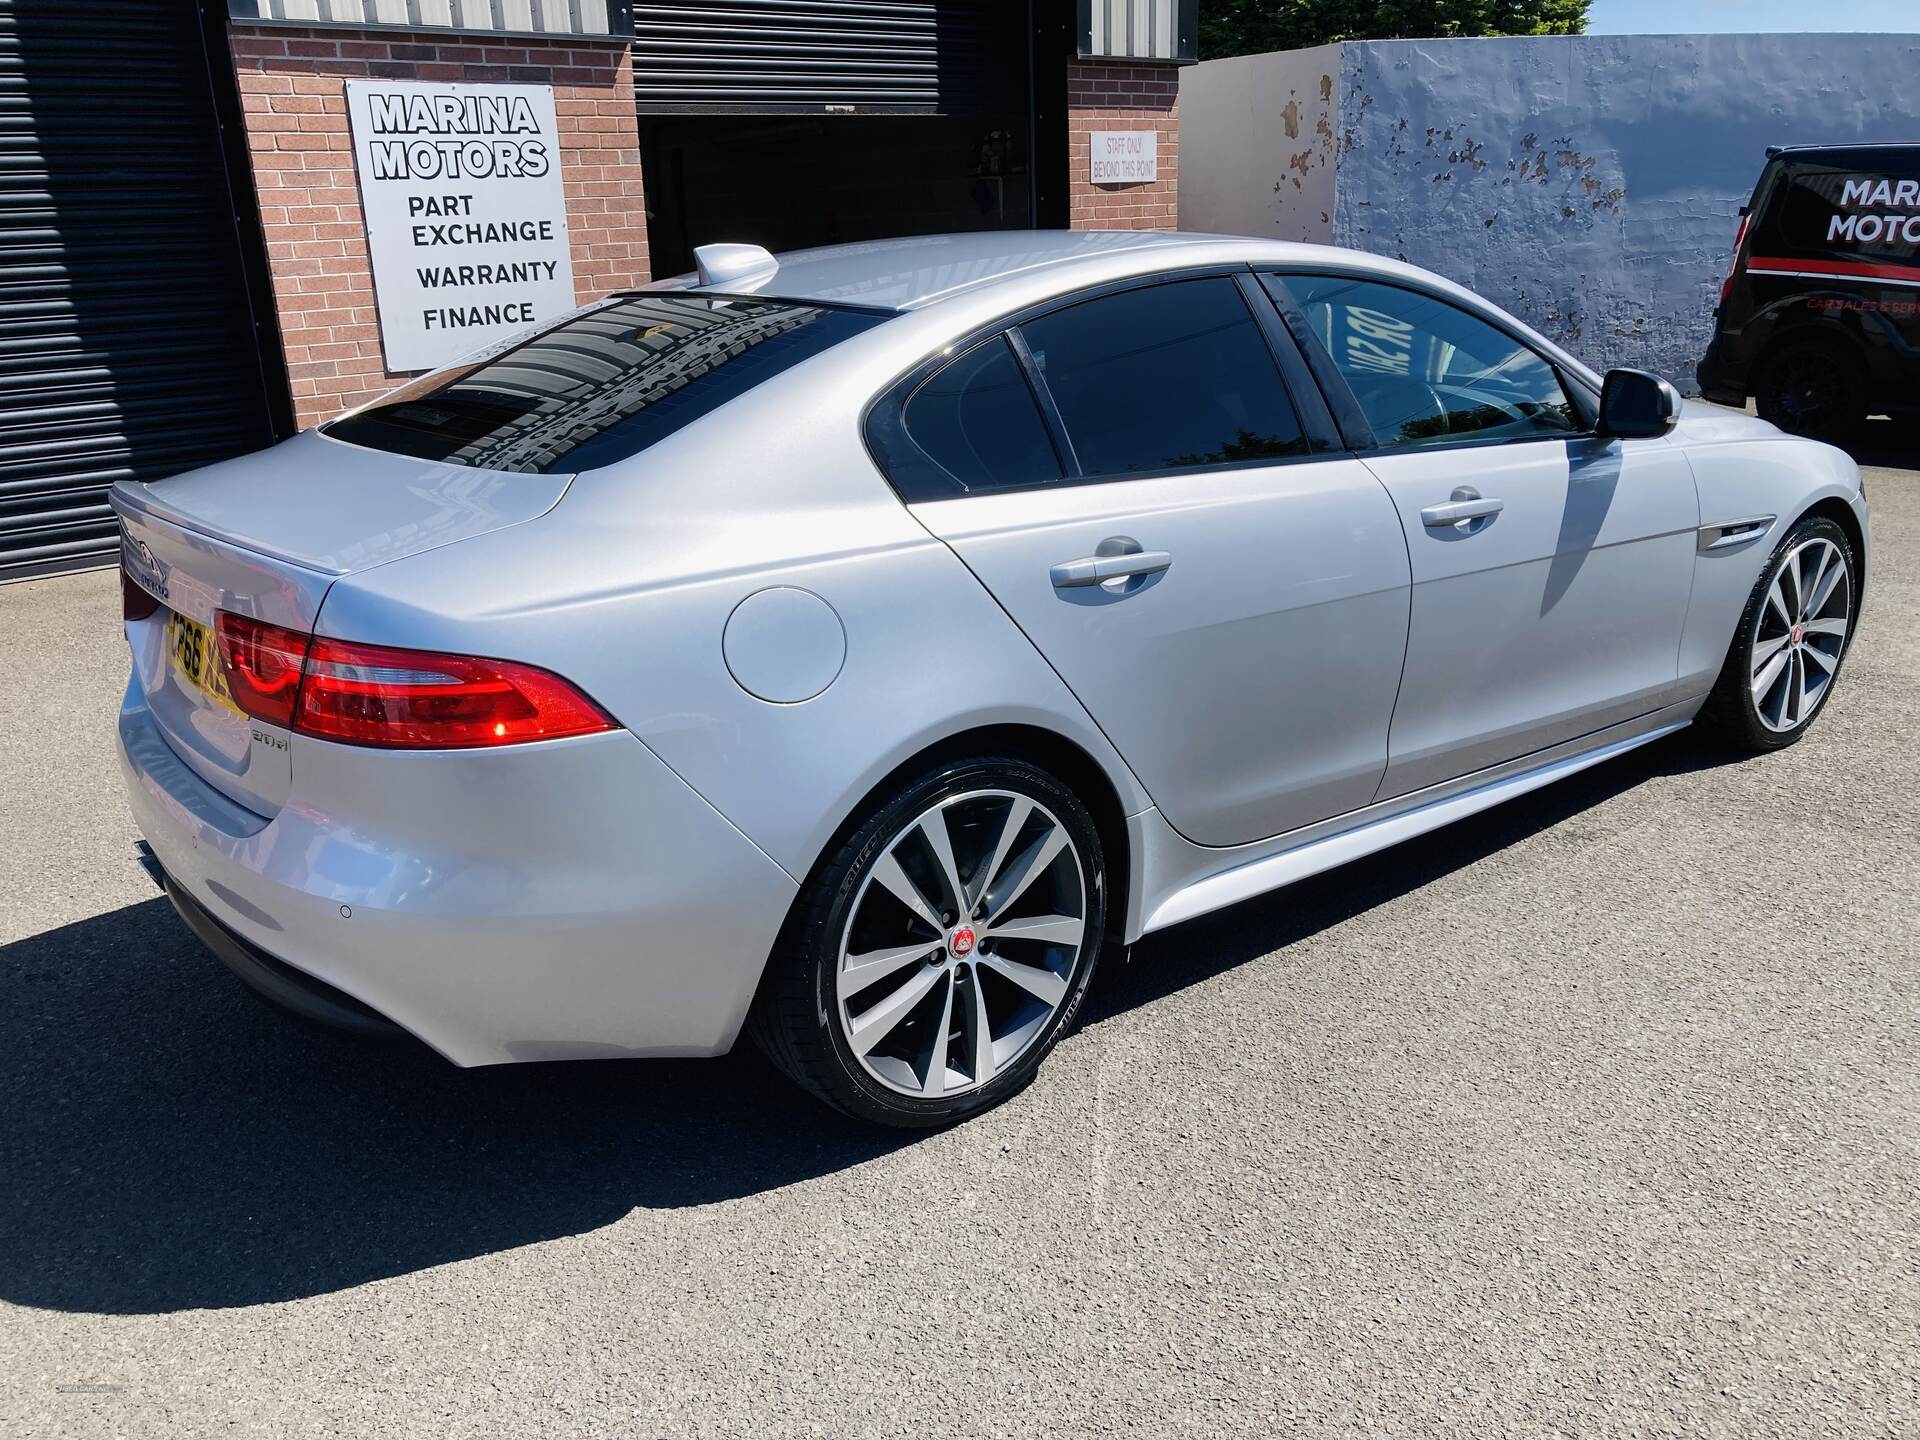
x,y
1870,213
601,385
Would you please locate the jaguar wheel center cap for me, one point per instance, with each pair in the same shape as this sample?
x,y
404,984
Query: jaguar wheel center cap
x,y
961,941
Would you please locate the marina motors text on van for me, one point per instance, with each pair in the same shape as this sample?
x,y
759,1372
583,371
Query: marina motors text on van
x,y
1876,194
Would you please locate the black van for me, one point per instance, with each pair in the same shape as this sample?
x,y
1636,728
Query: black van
x,y
1819,318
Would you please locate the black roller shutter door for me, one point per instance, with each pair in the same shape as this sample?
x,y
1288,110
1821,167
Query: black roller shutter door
x,y
127,344
813,56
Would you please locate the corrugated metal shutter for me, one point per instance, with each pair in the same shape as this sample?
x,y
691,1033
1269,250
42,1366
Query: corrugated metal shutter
x,y
803,57
126,343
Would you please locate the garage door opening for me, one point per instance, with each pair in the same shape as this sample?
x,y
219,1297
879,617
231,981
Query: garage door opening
x,y
792,123
788,182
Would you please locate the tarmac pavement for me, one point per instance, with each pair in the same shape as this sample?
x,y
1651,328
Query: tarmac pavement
x,y
1594,1115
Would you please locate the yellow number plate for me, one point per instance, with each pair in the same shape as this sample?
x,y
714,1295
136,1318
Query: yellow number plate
x,y
194,656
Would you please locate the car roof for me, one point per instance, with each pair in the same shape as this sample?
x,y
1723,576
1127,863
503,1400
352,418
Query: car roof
x,y
956,282
1869,148
916,271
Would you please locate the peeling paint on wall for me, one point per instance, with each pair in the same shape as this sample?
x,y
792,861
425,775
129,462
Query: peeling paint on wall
x,y
1266,125
1588,184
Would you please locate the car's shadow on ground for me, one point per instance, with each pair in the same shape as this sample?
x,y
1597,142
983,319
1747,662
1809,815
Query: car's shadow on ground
x,y
168,1142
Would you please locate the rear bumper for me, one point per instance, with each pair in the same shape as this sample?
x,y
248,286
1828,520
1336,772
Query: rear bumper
x,y
568,899
1718,380
278,981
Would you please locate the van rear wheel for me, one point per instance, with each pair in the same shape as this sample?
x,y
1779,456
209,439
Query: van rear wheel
x,y
1812,387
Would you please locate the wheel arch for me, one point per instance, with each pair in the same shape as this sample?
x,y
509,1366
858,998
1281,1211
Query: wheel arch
x,y
1836,509
1052,751
1825,329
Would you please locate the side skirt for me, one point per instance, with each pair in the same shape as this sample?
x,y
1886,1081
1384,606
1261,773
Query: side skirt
x,y
1334,842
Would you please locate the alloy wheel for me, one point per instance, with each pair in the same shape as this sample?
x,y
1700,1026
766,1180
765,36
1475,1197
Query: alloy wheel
x,y
961,943
1801,634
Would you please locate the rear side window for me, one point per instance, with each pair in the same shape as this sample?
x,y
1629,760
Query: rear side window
x,y
601,386
1860,214
977,420
1426,372
1165,377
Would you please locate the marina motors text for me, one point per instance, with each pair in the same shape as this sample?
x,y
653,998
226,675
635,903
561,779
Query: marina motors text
x,y
442,138
1872,193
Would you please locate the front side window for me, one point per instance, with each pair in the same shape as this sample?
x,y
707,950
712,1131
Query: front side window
x,y
1165,377
601,385
1426,372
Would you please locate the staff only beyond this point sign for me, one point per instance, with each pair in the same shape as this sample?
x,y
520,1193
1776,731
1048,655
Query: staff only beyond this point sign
x,y
466,215
1125,157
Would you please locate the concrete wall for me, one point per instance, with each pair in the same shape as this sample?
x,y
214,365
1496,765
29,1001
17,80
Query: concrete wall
x,y
1260,133
1589,184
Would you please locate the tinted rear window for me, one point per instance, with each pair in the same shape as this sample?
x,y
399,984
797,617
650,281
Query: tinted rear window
x,y
976,419
1165,377
1865,214
601,386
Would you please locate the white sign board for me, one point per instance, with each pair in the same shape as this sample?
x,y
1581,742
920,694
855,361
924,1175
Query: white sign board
x,y
1125,157
466,217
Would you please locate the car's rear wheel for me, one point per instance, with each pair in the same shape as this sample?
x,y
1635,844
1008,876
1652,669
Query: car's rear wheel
x,y
1811,387
936,956
1792,638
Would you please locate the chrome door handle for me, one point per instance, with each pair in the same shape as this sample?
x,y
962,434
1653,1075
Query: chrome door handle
x,y
1461,511
1098,569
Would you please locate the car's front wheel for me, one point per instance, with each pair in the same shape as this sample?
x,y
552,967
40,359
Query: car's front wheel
x,y
937,954
1786,655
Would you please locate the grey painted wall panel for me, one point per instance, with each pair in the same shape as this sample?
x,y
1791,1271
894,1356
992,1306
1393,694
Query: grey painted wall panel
x,y
1258,137
1589,184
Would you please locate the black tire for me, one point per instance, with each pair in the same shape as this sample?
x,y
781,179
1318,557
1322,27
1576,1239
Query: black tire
x,y
796,1017
1732,713
1812,387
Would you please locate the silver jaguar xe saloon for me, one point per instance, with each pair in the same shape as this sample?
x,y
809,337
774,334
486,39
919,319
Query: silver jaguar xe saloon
x,y
850,645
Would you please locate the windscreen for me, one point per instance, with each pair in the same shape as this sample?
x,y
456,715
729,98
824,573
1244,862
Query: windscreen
x,y
601,385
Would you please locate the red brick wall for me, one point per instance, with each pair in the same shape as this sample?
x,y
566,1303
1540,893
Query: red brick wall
x,y
292,92
1122,95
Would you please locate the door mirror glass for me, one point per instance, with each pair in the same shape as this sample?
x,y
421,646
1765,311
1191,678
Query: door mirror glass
x,y
1637,405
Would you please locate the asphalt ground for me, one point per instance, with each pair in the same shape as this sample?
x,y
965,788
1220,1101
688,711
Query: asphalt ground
x,y
1594,1115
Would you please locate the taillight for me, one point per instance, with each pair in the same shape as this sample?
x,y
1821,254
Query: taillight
x,y
397,699
261,663
136,602
417,699
1733,265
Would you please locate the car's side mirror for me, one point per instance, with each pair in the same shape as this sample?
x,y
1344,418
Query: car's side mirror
x,y
1637,405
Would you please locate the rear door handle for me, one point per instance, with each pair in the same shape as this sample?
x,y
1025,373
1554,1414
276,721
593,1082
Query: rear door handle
x,y
1460,512
1098,569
